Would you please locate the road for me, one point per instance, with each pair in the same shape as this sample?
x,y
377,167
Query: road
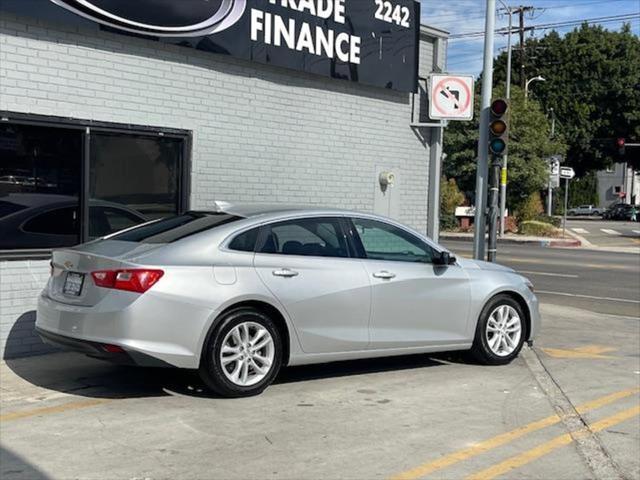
x,y
606,233
599,281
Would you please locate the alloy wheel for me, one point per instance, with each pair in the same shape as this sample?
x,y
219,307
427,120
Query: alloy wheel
x,y
247,354
504,329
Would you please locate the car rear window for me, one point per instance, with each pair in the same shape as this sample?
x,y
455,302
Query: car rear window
x,y
175,228
7,208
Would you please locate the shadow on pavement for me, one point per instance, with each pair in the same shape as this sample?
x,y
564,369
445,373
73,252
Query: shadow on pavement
x,y
79,375
23,340
13,466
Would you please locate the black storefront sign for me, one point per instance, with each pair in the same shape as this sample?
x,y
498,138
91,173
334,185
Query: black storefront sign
x,y
373,42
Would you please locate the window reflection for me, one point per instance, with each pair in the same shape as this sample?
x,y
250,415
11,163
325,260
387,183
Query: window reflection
x,y
137,172
39,186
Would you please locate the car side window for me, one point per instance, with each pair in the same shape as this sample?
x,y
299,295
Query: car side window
x,y
246,241
382,241
316,237
61,221
106,220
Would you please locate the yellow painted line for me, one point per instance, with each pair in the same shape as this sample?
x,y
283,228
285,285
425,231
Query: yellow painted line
x,y
529,456
55,409
589,351
504,438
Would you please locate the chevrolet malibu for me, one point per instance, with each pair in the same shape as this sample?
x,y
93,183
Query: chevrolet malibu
x,y
240,292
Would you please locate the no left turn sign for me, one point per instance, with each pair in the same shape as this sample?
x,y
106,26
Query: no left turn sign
x,y
451,97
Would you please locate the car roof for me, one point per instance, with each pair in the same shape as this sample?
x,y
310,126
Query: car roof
x,y
30,200
250,210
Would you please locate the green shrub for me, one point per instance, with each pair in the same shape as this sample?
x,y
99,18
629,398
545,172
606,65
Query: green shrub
x,y
448,222
450,196
555,221
537,229
531,208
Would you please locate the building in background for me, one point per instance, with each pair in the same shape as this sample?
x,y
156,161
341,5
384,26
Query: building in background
x,y
104,125
618,184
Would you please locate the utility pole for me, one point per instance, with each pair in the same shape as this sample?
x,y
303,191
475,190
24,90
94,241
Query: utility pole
x,y
503,175
483,143
550,190
523,74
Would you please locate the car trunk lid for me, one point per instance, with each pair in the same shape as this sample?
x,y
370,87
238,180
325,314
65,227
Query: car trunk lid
x,y
71,282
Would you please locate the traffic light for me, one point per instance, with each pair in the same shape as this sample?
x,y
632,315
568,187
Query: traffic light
x,y
621,145
498,128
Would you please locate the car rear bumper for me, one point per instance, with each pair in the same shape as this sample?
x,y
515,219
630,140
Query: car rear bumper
x,y
100,350
151,330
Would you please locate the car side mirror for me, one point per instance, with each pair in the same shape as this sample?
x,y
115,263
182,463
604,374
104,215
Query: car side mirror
x,y
443,259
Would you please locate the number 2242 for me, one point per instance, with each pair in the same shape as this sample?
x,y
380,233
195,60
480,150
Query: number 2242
x,y
390,14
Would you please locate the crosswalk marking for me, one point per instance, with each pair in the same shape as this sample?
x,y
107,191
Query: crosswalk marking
x,y
636,231
608,231
580,230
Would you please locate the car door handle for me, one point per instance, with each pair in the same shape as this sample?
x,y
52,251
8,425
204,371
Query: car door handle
x,y
384,275
285,272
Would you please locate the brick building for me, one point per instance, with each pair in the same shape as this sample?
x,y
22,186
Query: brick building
x,y
129,128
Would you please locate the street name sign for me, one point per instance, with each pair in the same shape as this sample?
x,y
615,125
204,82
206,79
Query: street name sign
x,y
567,172
450,97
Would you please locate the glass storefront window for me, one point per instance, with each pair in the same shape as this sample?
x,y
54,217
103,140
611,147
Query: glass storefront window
x,y
39,186
132,178
136,176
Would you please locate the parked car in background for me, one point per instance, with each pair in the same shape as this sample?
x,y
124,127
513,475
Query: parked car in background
x,y
614,212
241,291
621,211
585,210
42,220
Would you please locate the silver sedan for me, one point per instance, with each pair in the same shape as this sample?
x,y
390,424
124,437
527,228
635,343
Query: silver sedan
x,y
239,292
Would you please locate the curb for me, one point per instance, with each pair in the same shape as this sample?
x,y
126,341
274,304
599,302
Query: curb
x,y
543,242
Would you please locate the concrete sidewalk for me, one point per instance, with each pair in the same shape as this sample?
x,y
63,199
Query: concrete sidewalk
x,y
68,416
514,238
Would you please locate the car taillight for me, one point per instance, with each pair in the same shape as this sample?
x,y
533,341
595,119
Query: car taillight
x,y
135,280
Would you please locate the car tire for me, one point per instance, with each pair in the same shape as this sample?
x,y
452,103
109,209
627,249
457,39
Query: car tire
x,y
228,348
495,342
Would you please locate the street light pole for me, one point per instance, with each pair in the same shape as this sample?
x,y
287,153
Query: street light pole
x,y
550,188
526,87
483,143
503,175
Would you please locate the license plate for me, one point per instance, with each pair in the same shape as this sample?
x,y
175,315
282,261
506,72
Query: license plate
x,y
73,284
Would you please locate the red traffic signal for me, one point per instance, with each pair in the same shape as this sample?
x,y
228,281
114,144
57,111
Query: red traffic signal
x,y
621,143
499,107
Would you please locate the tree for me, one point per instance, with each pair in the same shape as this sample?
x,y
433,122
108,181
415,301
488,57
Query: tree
x,y
593,84
450,196
529,147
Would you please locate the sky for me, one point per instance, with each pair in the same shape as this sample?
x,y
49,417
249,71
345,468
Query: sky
x,y
467,16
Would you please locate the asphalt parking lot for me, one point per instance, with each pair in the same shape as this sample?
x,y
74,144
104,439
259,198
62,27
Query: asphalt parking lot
x,y
569,408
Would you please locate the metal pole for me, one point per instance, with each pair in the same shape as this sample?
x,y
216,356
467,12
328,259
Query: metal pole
x,y
503,176
483,142
566,204
493,209
550,191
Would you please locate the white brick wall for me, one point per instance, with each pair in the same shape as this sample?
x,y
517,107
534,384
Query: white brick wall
x,y
261,134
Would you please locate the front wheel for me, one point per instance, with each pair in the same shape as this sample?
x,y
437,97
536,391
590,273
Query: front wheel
x,y
243,355
500,333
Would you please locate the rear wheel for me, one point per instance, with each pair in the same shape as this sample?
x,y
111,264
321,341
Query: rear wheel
x,y
243,355
500,333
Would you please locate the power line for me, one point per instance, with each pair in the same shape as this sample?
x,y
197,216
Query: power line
x,y
543,26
